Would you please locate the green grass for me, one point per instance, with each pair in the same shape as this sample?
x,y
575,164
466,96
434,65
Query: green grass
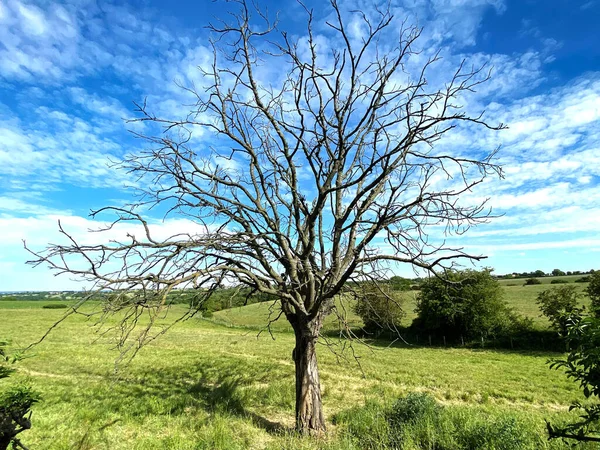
x,y
543,280
203,385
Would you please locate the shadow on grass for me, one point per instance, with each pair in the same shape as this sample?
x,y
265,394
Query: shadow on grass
x,y
228,386
532,342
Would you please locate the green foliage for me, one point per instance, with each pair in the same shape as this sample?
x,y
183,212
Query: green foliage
x,y
502,433
558,273
227,298
15,404
413,408
558,303
530,281
468,304
400,284
418,422
582,365
415,417
559,281
593,291
378,307
5,361
366,425
55,306
585,279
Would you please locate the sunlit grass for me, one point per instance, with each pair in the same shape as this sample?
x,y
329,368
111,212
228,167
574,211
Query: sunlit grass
x,y
203,385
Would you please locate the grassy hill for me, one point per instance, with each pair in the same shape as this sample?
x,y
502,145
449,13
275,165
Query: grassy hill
x,y
521,298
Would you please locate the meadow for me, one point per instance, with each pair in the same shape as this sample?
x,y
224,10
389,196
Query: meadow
x,y
519,297
218,384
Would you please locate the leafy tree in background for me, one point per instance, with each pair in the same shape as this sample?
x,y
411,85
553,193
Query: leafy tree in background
x,y
464,303
400,284
557,273
297,180
378,307
558,304
593,291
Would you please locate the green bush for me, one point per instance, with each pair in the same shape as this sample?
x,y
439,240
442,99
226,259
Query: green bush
x,y
593,291
415,407
378,307
415,418
585,279
468,304
399,284
530,281
582,365
15,404
559,281
557,304
55,306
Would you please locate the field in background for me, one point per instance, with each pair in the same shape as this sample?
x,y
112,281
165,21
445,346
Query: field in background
x,y
521,298
203,385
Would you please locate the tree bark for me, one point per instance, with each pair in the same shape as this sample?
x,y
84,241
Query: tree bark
x,y
309,409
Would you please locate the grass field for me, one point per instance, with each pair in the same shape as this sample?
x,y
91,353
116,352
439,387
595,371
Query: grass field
x,y
207,386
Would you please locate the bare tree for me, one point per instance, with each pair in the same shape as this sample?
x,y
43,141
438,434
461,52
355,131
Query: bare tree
x,y
327,175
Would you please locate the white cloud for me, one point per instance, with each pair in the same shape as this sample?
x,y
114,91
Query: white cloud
x,y
33,21
60,130
586,243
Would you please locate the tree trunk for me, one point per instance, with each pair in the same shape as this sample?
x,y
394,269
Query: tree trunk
x,y
309,410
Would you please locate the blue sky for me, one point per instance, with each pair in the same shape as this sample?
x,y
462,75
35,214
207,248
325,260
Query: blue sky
x,y
69,72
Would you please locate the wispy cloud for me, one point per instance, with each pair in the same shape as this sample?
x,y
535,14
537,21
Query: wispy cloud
x,y
69,71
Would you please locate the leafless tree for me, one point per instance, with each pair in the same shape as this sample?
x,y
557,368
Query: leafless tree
x,y
327,176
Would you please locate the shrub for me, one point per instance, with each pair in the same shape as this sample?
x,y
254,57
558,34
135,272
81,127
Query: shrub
x,y
585,279
557,304
415,407
415,417
15,404
378,307
55,306
593,291
399,284
418,422
582,365
559,281
530,281
467,303
498,433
